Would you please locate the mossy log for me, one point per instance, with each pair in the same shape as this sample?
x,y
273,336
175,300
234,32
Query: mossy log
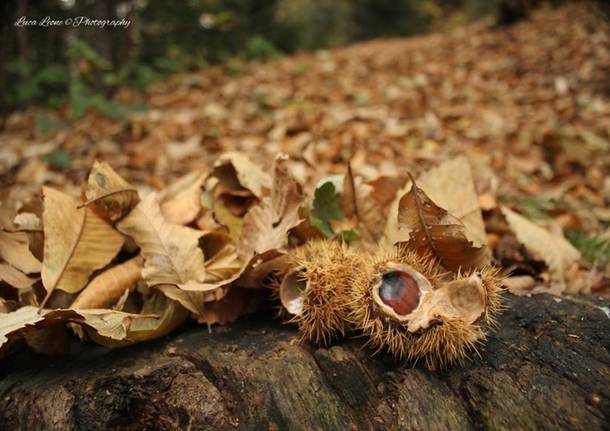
x,y
546,367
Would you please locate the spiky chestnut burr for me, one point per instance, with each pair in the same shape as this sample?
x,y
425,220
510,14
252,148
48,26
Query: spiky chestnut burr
x,y
408,305
314,291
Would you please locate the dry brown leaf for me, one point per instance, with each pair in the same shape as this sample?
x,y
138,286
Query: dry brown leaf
x,y
171,252
6,306
558,254
174,263
183,206
14,277
109,324
520,284
221,259
451,186
50,340
18,323
236,303
106,289
366,205
225,217
266,225
170,315
14,250
109,195
435,232
28,320
235,170
77,242
195,299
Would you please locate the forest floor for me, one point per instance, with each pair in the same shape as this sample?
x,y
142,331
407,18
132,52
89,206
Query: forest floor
x,y
528,105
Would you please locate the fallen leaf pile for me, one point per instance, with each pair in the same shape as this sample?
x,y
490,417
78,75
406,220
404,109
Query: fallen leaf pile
x,y
481,144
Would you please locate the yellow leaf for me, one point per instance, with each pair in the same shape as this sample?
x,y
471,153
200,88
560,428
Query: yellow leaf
x,y
77,242
221,259
450,186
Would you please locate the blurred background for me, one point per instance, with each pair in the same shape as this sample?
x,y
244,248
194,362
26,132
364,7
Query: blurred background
x,y
84,66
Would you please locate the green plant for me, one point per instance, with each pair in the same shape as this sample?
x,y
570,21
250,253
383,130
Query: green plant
x,y
592,248
46,124
258,47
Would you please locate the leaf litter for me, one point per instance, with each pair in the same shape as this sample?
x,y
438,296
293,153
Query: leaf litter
x,y
471,146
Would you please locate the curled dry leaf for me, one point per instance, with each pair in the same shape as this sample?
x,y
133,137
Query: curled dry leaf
x,y
183,206
235,170
174,263
195,299
223,267
221,259
236,303
520,284
366,205
77,242
558,254
14,277
109,195
27,222
169,315
171,252
107,288
14,249
435,232
28,320
451,186
267,224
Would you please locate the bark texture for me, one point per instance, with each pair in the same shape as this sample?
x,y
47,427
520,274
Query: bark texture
x,y
546,367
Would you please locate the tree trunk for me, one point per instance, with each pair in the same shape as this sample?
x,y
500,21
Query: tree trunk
x,y
546,367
